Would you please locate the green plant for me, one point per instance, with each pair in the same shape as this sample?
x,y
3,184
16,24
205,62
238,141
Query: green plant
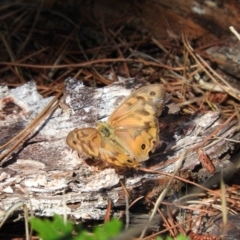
x,y
58,230
179,237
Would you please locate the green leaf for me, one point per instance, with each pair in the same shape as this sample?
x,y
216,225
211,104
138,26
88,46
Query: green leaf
x,y
51,230
179,237
109,229
58,230
182,237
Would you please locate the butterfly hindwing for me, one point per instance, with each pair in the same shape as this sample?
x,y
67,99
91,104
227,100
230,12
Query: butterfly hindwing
x,y
91,143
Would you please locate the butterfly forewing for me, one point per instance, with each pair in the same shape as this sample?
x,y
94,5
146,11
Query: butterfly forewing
x,y
153,95
136,127
139,141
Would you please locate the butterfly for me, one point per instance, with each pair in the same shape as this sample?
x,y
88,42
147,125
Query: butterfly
x,y
129,133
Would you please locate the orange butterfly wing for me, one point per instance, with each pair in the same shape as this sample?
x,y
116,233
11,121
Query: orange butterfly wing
x,y
90,143
134,123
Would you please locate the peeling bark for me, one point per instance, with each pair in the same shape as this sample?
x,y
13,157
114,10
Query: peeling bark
x,y
43,171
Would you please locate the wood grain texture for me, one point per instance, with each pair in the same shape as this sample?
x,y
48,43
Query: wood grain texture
x,y
45,168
